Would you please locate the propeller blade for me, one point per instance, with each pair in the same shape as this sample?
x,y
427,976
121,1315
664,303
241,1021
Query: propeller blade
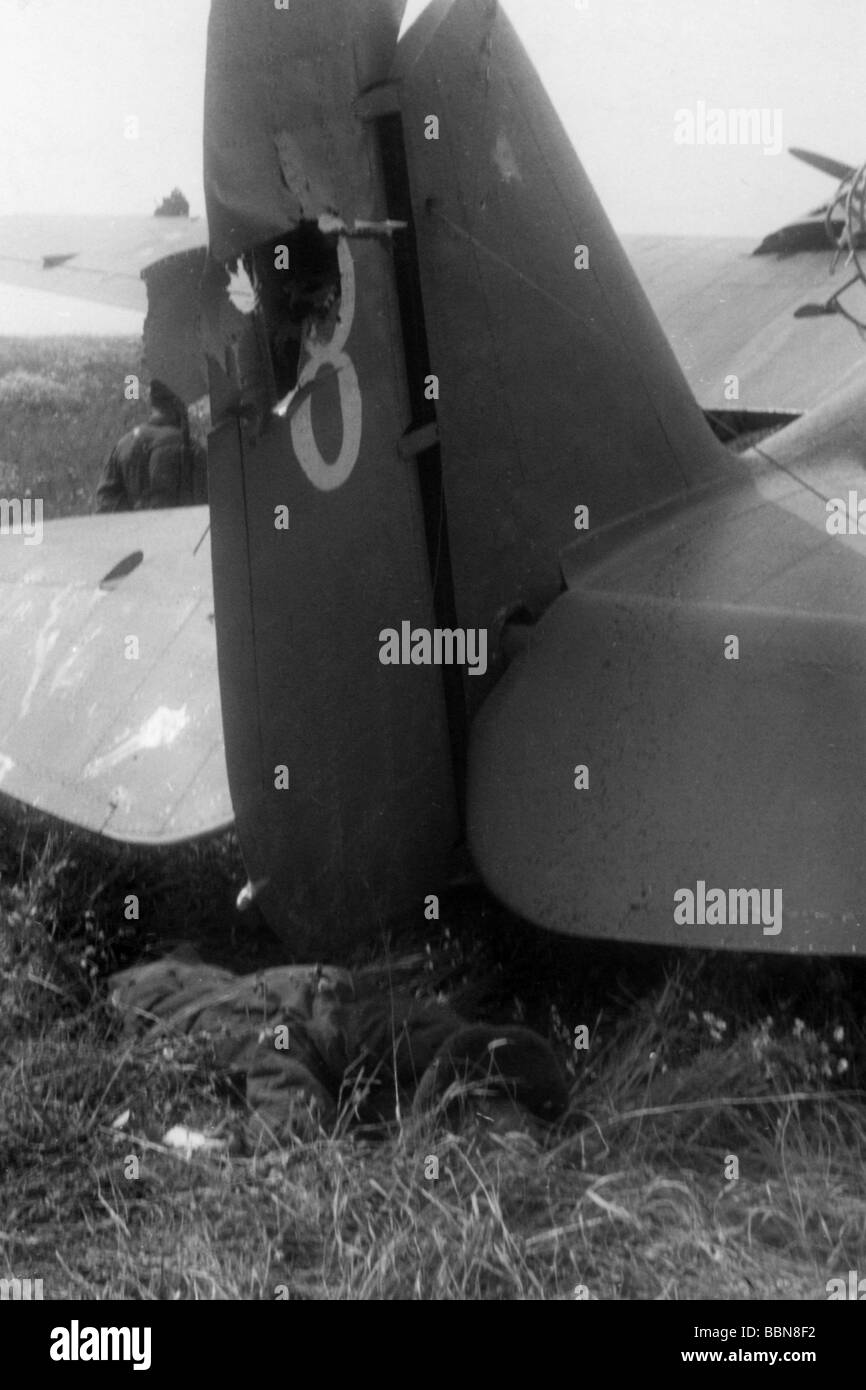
x,y
834,167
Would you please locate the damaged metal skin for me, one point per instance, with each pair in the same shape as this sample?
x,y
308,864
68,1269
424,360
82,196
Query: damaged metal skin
x,y
290,301
339,767
200,332
283,144
287,164
172,339
275,175
240,384
257,353
255,350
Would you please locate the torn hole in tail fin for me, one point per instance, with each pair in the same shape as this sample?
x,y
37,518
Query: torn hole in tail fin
x,y
257,313
297,282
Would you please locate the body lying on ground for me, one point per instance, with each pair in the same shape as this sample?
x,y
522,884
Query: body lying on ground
x,y
310,1042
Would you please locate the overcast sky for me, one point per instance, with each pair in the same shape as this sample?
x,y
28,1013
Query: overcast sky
x,y
71,74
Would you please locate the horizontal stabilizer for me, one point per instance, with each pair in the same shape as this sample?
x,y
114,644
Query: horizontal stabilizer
x,y
690,713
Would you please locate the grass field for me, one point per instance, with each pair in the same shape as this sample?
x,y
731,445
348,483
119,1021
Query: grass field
x,y
62,409
714,1145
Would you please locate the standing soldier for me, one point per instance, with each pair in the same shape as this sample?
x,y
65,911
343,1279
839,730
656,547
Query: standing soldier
x,y
157,464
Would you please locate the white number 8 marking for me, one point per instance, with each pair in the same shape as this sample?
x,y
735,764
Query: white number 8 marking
x,y
323,475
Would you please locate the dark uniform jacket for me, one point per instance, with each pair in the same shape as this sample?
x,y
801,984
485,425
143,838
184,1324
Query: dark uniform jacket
x,y
346,1041
151,467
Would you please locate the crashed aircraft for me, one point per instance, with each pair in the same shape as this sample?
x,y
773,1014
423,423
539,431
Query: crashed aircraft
x,y
441,398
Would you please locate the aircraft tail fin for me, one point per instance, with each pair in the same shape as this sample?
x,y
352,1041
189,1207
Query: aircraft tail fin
x,y
557,386
338,760
338,566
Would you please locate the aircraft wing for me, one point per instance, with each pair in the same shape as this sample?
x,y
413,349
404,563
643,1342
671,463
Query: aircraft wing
x,y
728,312
109,706
98,258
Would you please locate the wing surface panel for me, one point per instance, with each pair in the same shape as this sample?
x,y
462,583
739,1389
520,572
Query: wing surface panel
x,y
735,768
729,313
99,258
109,701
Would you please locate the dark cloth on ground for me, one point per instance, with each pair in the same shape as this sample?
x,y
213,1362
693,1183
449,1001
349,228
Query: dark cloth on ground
x,y
348,1043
